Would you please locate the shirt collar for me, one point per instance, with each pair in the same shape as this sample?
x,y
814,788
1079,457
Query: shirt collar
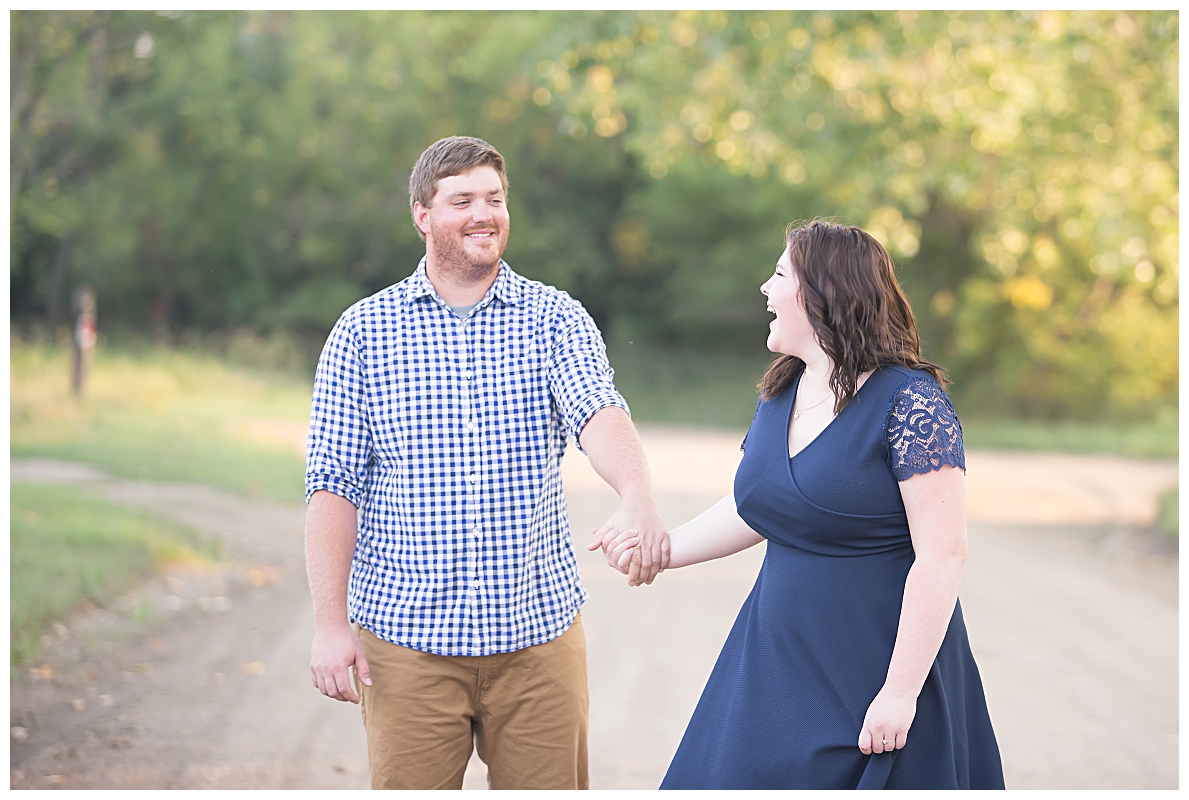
x,y
507,287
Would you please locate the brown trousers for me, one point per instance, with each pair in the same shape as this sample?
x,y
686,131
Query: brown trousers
x,y
526,711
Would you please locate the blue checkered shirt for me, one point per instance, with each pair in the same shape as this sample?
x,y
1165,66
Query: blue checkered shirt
x,y
448,434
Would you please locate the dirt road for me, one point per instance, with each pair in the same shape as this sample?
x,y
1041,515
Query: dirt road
x,y
201,679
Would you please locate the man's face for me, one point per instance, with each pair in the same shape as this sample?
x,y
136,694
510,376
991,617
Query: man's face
x,y
466,227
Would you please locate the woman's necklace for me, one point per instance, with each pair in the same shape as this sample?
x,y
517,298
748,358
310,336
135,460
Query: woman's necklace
x,y
797,412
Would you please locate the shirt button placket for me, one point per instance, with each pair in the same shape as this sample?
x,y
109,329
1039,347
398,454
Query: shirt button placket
x,y
472,448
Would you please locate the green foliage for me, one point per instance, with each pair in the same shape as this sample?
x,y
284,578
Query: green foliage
x,y
164,414
67,547
1021,168
215,171
1169,518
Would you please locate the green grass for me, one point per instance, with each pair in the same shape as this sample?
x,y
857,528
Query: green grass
x,y
164,415
1168,518
188,415
717,390
686,387
1140,439
67,547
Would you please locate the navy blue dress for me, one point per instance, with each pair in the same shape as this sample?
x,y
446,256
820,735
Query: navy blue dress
x,y
811,646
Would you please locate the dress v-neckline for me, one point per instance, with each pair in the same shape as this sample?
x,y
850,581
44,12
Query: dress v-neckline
x,y
788,423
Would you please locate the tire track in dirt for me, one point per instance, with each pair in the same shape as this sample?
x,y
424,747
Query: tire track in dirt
x,y
1074,629
209,695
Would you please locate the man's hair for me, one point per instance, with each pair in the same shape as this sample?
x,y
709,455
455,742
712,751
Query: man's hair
x,y
445,158
858,311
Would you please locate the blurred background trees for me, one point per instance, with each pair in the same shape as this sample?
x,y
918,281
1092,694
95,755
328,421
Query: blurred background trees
x,y
235,171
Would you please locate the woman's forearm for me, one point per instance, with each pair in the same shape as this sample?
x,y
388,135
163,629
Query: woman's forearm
x,y
930,594
935,504
716,532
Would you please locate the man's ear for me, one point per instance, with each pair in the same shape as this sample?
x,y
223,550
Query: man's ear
x,y
421,217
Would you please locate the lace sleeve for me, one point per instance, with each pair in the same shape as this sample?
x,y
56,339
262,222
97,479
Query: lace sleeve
x,y
924,433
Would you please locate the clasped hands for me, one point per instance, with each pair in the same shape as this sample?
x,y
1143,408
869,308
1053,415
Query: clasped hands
x,y
635,542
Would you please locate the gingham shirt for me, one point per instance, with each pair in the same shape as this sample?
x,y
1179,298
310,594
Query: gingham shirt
x,y
448,434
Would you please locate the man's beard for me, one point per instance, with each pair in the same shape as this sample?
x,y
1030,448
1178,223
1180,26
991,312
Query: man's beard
x,y
452,257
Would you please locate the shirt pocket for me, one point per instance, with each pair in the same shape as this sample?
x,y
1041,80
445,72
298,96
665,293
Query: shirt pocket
x,y
522,388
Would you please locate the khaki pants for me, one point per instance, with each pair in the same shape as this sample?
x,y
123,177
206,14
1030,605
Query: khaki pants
x,y
526,711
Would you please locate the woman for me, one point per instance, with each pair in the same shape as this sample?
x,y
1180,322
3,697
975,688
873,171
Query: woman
x,y
848,666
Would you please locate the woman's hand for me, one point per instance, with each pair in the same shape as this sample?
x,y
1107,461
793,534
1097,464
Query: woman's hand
x,y
716,532
887,722
935,505
622,549
618,545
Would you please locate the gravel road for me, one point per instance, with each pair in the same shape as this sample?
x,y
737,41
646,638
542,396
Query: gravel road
x,y
200,679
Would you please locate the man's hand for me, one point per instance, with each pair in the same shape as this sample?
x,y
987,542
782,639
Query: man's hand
x,y
333,653
613,447
642,522
619,546
330,544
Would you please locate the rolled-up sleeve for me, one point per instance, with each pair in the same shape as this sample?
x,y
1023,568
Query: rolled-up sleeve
x,y
580,377
339,444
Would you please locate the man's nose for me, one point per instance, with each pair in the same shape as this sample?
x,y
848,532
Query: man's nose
x,y
481,211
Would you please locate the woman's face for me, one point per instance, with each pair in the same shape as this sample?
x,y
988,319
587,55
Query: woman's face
x,y
791,332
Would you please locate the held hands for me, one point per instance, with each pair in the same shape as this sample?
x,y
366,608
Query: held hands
x,y
332,654
639,550
885,728
621,550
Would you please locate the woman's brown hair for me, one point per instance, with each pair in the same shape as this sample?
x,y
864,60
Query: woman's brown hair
x,y
858,311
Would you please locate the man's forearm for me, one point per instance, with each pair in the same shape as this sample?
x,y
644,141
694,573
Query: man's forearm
x,y
615,452
613,447
331,530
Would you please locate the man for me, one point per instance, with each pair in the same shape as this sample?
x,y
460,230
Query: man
x,y
436,521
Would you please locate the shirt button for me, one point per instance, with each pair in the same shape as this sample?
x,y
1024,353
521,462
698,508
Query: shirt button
x,y
470,426
467,374
471,477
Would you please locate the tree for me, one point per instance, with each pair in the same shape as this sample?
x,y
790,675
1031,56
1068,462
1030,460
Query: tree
x,y
1019,166
222,170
